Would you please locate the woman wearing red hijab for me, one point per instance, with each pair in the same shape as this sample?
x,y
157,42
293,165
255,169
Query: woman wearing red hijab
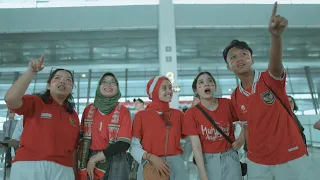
x,y
150,131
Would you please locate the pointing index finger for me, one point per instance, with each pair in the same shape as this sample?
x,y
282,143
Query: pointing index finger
x,y
42,59
275,7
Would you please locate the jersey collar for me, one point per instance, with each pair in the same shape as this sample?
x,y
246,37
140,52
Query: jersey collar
x,y
256,78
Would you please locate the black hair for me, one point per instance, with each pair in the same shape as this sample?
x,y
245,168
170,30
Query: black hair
x,y
47,99
140,100
194,83
235,44
295,107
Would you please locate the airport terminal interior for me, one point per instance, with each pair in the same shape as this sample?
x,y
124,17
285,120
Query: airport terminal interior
x,y
139,39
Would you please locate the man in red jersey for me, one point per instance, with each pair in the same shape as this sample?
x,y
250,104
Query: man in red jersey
x,y
275,148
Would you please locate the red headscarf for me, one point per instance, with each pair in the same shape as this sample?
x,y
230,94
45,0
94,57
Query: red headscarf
x,y
153,87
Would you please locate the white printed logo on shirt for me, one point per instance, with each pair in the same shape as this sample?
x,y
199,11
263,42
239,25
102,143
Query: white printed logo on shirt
x,y
212,134
293,149
46,115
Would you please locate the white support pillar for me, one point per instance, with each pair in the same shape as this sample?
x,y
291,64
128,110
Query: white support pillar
x,y
167,46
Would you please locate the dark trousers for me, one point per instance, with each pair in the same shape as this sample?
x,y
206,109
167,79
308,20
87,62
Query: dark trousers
x,y
8,155
118,169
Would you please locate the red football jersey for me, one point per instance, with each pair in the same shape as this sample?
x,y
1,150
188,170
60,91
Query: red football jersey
x,y
49,132
274,137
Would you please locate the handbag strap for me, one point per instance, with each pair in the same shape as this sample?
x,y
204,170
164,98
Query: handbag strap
x,y
166,146
168,126
214,124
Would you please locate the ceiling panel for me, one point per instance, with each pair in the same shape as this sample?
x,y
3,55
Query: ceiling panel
x,y
142,45
78,47
209,43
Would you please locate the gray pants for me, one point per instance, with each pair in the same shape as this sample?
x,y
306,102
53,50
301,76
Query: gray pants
x,y
40,170
223,166
302,168
176,165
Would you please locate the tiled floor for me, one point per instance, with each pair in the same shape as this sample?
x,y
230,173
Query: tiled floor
x,y
192,169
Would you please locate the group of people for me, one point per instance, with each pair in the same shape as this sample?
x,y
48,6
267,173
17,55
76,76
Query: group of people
x,y
56,146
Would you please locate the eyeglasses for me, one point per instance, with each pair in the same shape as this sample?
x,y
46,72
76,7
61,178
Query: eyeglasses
x,y
112,83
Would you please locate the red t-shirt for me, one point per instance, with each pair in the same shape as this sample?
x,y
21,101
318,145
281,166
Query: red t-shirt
x,y
274,137
106,127
151,130
49,132
195,123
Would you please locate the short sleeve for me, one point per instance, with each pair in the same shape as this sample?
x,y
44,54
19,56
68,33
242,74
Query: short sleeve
x,y
125,131
28,106
137,126
79,136
235,108
189,127
233,112
84,114
277,86
181,122
275,83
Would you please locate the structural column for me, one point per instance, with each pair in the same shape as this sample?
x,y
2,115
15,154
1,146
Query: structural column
x,y
167,46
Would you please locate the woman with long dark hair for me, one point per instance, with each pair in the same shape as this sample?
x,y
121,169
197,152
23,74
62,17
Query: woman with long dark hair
x,y
156,135
106,129
51,126
215,157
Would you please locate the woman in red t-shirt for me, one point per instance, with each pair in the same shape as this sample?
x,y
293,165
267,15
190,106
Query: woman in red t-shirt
x,y
155,126
50,126
213,154
106,129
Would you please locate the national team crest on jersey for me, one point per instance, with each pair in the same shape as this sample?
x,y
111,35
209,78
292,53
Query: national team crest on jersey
x,y
267,97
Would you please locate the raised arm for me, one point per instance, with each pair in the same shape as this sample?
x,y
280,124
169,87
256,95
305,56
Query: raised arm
x,y
277,26
14,95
